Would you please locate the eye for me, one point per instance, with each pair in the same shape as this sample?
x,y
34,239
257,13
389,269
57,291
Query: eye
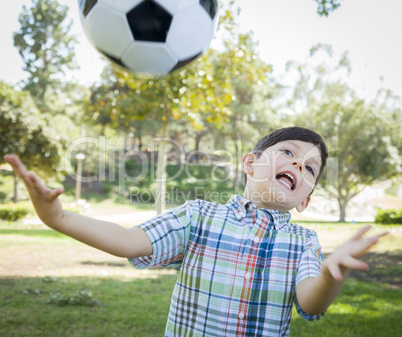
x,y
308,168
287,152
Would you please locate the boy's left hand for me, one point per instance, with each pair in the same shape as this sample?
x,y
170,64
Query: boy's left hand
x,y
347,256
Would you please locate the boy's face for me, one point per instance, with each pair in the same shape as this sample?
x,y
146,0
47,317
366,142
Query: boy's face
x,y
283,176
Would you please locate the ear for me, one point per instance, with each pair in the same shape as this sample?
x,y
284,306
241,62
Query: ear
x,y
247,163
303,205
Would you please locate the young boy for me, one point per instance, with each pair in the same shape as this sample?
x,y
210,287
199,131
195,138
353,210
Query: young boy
x,y
241,265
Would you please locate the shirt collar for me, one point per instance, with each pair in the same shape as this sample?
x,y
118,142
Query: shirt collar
x,y
241,207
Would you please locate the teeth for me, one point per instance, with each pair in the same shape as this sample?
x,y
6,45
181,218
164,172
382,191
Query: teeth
x,y
290,177
289,181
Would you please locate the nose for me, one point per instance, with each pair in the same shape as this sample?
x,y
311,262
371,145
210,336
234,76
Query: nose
x,y
298,165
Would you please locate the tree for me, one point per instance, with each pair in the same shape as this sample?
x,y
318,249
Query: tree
x,y
325,7
249,82
122,99
45,46
367,134
24,132
210,94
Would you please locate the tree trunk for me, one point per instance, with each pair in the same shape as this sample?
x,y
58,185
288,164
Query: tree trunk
x,y
126,141
342,210
180,155
198,138
139,142
160,198
16,180
237,172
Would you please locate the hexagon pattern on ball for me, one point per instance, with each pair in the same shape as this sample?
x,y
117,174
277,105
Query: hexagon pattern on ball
x,y
149,21
151,37
210,6
108,31
185,26
148,57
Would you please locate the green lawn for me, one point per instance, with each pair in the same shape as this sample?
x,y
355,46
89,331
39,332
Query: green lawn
x,y
369,305
135,308
362,309
139,308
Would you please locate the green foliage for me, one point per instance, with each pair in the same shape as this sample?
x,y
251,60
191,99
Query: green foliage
x,y
389,216
24,132
45,46
14,212
325,7
6,186
363,137
187,182
225,92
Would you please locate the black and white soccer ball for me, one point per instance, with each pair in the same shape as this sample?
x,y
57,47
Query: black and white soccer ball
x,y
151,37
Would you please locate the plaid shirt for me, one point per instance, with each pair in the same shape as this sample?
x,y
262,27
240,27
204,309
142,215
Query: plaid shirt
x,y
238,267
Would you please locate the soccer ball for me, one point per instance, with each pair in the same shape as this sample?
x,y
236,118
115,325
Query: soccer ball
x,y
151,37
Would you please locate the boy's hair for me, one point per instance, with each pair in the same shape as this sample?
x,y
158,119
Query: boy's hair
x,y
293,133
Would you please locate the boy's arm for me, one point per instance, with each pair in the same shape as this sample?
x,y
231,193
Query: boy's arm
x,y
316,294
106,236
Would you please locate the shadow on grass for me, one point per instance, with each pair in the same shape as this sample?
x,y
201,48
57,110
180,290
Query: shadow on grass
x,y
384,267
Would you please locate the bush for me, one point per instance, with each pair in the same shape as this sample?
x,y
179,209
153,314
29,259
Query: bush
x,y
389,216
14,212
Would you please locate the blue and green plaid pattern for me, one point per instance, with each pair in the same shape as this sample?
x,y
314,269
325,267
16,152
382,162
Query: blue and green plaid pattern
x,y
238,267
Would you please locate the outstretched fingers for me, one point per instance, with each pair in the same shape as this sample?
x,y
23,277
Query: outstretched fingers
x,y
35,182
335,271
42,189
54,194
18,167
347,256
362,245
352,263
359,234
31,180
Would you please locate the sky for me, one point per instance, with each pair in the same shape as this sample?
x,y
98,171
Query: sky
x,y
370,30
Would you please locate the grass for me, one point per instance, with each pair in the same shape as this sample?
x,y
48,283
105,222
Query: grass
x,y
126,304
135,308
362,309
139,308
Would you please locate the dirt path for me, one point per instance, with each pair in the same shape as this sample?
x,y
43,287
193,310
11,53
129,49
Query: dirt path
x,y
35,257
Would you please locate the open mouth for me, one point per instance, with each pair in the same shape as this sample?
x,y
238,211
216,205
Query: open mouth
x,y
287,180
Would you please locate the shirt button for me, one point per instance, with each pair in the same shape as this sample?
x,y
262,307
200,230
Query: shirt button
x,y
247,276
241,315
256,239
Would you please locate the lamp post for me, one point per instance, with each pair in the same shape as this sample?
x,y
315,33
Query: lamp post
x,y
80,158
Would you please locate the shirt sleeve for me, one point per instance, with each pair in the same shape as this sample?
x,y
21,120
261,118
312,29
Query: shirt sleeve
x,y
169,234
309,266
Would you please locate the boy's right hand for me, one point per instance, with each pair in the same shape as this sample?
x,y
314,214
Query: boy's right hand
x,y
103,235
46,202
